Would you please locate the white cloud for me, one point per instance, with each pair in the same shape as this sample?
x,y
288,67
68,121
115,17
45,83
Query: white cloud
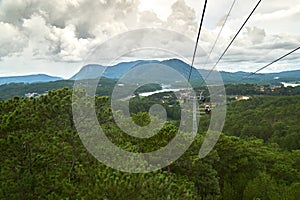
x,y
67,46
161,8
65,31
182,19
149,19
256,35
12,40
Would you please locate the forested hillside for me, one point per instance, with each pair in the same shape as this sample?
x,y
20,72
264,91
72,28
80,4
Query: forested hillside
x,y
105,88
42,156
273,119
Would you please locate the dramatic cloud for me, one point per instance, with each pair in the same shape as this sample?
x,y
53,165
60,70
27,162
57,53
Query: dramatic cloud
x,y
11,40
65,31
68,30
182,18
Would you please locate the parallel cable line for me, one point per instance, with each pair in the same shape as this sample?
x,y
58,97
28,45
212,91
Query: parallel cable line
x,y
198,38
219,34
278,59
268,65
231,42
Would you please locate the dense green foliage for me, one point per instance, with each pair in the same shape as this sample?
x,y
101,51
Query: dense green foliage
x,y
20,89
273,119
105,88
42,156
167,99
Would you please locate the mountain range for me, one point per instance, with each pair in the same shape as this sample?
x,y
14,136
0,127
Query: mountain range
x,y
118,70
37,78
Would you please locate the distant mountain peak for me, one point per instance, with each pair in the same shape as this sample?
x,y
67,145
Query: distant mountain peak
x,y
120,69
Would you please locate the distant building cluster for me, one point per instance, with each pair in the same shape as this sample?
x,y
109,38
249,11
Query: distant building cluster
x,y
275,87
184,95
272,88
35,94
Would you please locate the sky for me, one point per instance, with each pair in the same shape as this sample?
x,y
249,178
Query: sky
x,y
55,37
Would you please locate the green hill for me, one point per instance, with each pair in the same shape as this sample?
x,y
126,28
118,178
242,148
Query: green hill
x,y
42,156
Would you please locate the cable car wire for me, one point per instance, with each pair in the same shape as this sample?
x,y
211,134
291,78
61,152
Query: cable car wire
x,y
231,42
219,34
197,41
278,59
268,65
